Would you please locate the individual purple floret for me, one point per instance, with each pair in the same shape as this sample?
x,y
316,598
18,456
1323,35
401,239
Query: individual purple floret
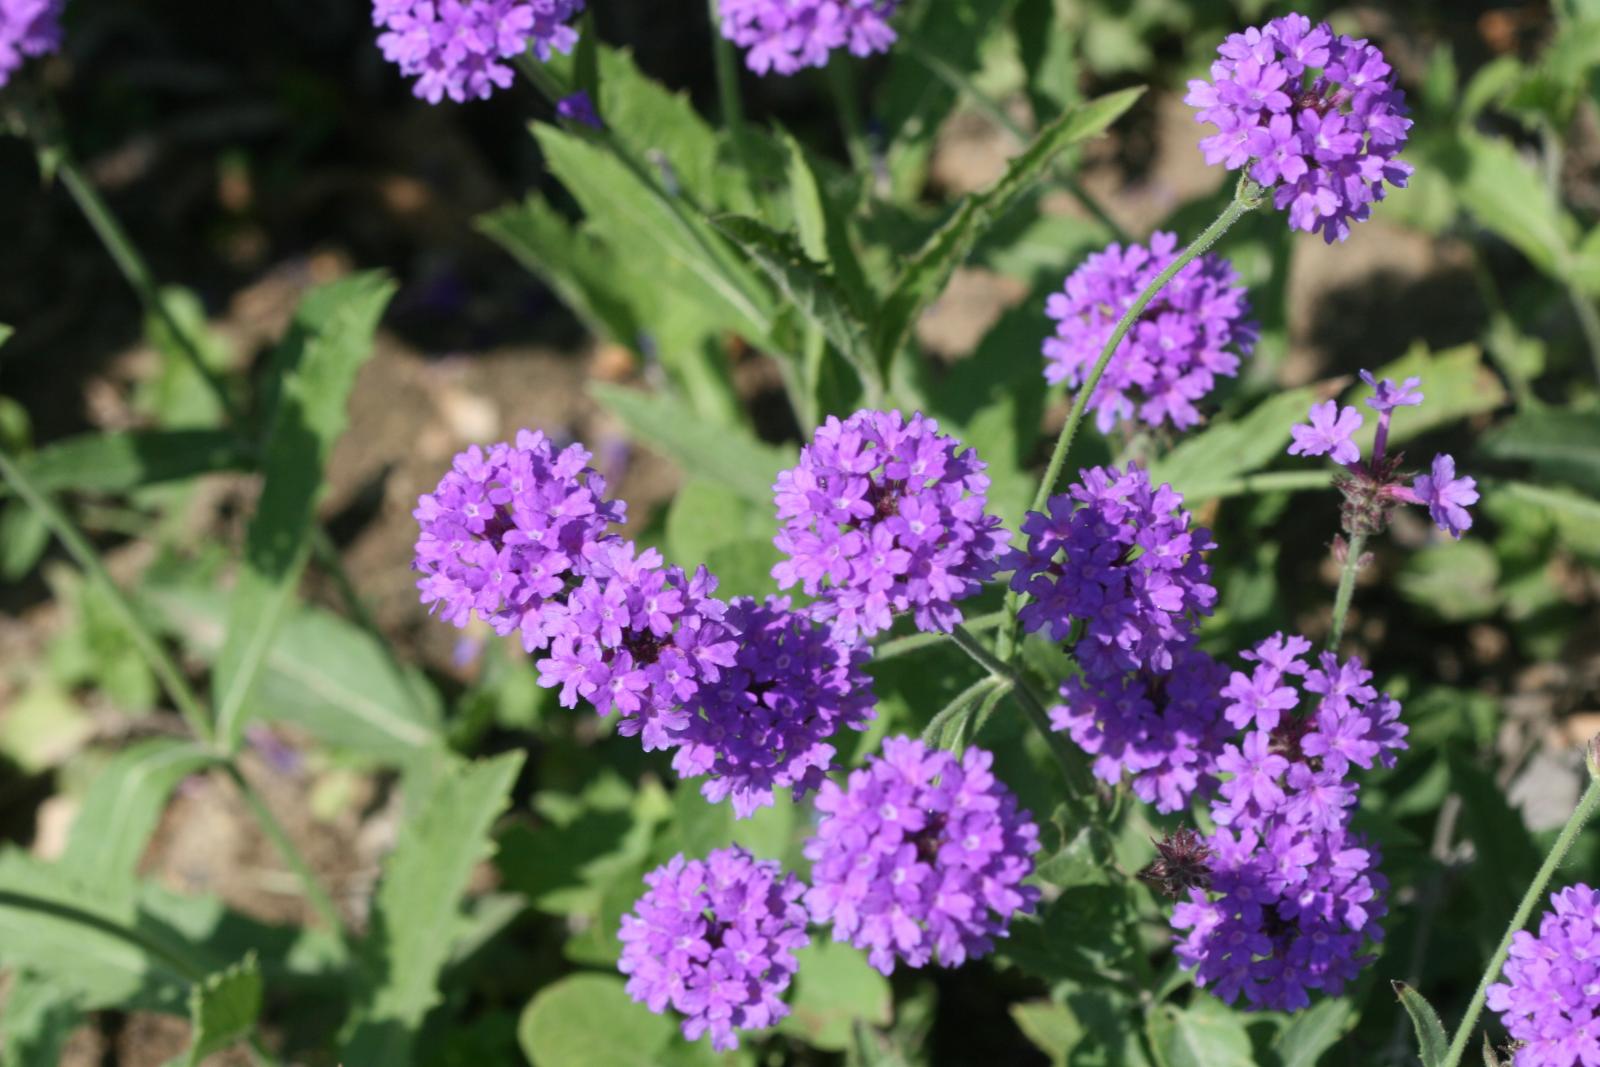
x,y
1120,557
1313,116
1194,330
638,637
579,107
505,533
1165,731
715,941
1328,434
458,48
1550,999
28,29
1289,896
765,724
788,35
1447,496
885,515
921,855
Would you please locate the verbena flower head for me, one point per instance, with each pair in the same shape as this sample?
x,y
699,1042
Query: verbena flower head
x,y
458,48
714,939
921,855
1196,329
1314,116
786,36
28,29
765,724
579,107
1163,730
1550,999
885,515
1373,488
1119,556
505,533
639,637
1294,895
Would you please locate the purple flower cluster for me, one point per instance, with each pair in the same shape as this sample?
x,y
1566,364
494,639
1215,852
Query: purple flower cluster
x,y
640,637
715,940
1314,116
922,854
1194,330
458,48
1371,490
765,723
1294,894
885,515
579,107
1164,730
788,35
1119,556
28,29
505,533
1550,999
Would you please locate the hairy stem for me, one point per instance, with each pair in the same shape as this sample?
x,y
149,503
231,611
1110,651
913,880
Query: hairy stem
x,y
900,646
727,74
1558,852
1246,197
1347,588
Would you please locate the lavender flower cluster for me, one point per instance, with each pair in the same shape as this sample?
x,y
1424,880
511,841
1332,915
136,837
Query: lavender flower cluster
x,y
28,29
786,36
1289,894
459,48
1312,115
1550,999
885,515
1373,489
1196,329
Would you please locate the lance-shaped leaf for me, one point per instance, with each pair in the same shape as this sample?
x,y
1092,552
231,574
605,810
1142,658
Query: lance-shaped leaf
x,y
118,462
1432,1045
329,339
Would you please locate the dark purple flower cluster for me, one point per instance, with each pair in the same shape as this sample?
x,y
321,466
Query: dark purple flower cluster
x,y
640,637
715,940
28,29
1550,999
1194,330
1164,730
458,48
579,107
1294,894
1314,116
788,35
1372,490
505,533
885,515
1119,556
922,854
765,723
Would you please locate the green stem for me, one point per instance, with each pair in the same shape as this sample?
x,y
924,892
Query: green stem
x,y
727,63
1246,197
842,85
161,663
900,646
1347,588
1558,852
318,898
1588,322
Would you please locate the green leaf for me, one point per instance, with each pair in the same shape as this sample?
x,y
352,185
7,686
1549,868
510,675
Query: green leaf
x,y
1432,1044
118,462
38,1019
834,989
43,726
323,674
1454,580
1232,448
734,459
1312,1032
925,277
806,284
1562,442
1508,196
328,341
1205,1034
588,1020
706,516
122,808
223,1009
417,911
1457,383
24,536
1082,935
1052,1027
